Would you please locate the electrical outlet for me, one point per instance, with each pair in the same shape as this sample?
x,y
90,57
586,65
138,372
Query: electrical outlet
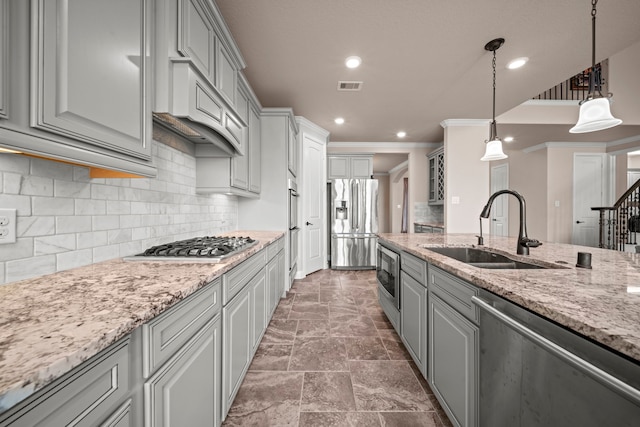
x,y
7,226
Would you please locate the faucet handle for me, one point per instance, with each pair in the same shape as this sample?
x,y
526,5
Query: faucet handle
x,y
530,243
480,240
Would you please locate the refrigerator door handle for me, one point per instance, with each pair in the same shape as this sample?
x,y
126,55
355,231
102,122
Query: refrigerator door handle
x,y
355,204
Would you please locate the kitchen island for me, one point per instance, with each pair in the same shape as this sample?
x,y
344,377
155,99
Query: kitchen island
x,y
505,339
602,303
54,323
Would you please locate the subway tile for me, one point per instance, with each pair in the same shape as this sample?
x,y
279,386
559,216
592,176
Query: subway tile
x,y
72,259
72,224
30,226
115,207
52,206
104,192
21,203
30,267
36,186
90,207
14,163
2,269
22,248
91,239
105,222
120,235
103,253
77,190
12,183
54,244
51,169
131,248
81,174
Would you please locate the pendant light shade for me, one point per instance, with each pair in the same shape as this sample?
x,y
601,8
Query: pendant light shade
x,y
595,110
595,114
493,149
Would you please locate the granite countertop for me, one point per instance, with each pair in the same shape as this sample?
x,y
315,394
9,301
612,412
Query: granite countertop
x,y
602,303
430,224
53,323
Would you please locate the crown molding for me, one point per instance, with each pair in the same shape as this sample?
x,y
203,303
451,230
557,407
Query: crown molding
x,y
464,122
367,145
565,144
302,121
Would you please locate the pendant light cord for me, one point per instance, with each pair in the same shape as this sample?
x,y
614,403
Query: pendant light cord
x,y
494,86
594,77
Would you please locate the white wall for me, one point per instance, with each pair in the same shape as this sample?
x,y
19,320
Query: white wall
x,y
65,219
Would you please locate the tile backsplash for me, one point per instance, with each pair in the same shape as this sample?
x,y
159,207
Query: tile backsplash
x,y
424,212
66,219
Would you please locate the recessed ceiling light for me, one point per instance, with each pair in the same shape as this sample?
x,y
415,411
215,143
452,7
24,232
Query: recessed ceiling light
x,y
517,63
401,134
508,139
339,120
353,62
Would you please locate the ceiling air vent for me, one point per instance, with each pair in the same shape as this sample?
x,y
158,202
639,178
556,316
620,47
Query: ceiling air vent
x,y
349,86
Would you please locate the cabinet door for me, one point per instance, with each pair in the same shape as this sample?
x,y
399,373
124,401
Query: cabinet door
x,y
185,391
255,152
339,168
453,362
90,72
282,276
272,284
293,150
413,300
361,167
259,297
236,356
432,179
196,36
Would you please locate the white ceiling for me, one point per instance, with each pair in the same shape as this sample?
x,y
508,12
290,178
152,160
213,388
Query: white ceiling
x,y
423,60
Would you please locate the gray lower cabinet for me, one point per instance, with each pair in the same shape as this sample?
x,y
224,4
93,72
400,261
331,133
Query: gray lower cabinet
x,y
413,318
453,347
185,391
259,303
86,396
237,346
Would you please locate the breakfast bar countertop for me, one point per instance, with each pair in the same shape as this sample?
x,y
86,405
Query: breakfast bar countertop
x,y
53,323
602,303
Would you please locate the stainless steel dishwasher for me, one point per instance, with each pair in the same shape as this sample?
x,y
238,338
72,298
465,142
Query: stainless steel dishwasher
x,y
534,372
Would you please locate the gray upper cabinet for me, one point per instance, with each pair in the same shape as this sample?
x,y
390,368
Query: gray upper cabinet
x,y
436,177
292,147
75,81
255,151
349,167
196,37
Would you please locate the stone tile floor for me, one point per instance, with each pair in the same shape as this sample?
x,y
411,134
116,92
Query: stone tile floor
x,y
330,357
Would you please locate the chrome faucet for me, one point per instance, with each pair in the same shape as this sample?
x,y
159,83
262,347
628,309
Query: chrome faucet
x,y
524,243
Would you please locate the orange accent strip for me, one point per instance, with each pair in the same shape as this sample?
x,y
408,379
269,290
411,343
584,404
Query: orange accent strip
x,y
93,171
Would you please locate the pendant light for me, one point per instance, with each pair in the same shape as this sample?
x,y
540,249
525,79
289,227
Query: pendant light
x,y
595,109
494,144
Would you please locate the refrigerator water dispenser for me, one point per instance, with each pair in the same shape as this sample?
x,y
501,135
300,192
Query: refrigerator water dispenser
x,y
342,211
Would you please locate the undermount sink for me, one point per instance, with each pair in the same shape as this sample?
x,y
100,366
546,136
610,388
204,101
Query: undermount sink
x,y
483,258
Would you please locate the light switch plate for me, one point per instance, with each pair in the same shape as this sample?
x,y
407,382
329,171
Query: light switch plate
x,y
7,226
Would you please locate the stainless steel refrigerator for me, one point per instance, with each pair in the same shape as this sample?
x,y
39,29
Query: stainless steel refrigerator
x,y
353,222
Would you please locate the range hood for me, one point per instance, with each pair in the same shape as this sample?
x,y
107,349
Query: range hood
x,y
196,111
208,140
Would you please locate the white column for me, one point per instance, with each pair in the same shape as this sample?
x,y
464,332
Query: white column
x,y
466,177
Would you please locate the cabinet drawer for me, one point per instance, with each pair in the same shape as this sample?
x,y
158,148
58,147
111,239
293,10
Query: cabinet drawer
x,y
414,267
236,279
81,398
455,292
167,333
272,250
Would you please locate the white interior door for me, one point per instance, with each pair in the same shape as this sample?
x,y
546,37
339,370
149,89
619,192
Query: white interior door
x,y
313,199
500,210
589,190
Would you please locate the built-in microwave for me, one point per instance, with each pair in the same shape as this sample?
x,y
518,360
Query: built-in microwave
x,y
388,275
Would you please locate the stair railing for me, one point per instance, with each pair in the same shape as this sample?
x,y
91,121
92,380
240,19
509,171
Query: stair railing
x,y
619,223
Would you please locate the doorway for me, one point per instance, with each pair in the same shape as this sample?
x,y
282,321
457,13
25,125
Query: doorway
x,y
591,172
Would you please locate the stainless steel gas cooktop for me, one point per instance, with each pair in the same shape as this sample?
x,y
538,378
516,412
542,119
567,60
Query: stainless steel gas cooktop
x,y
197,249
